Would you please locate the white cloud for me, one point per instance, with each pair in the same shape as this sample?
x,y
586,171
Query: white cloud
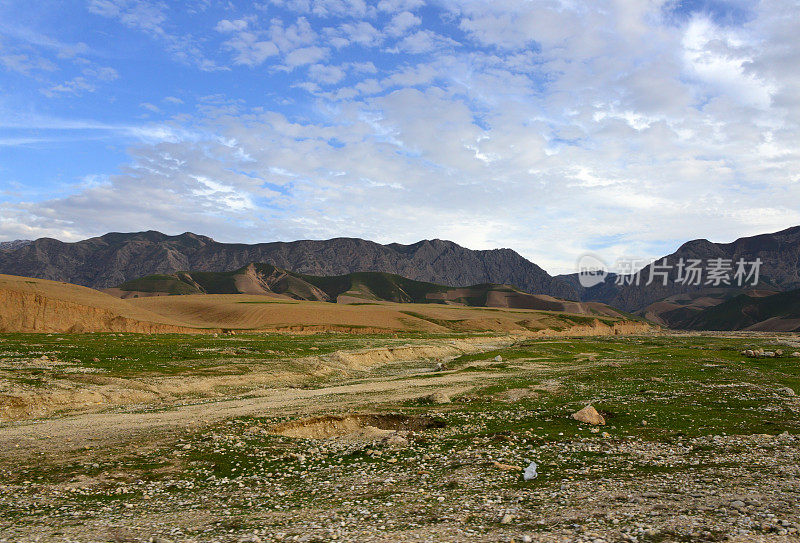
x,y
87,82
422,41
361,33
151,18
401,23
327,75
306,55
231,26
395,6
297,34
249,50
25,64
719,57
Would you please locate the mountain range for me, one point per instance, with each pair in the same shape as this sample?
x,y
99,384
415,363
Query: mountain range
x,y
112,259
779,253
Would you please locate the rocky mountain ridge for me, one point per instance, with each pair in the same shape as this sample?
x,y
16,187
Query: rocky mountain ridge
x,y
779,271
115,258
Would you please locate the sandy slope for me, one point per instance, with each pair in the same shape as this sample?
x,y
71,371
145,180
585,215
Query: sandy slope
x,y
256,312
38,305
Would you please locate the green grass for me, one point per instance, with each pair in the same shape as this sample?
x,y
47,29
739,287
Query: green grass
x,y
130,355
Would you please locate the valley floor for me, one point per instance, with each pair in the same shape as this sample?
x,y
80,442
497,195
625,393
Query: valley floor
x,y
417,437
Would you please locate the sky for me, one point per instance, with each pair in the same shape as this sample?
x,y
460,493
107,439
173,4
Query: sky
x,y
555,127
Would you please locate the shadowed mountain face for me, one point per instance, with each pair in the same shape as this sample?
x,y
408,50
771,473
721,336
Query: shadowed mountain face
x,y
115,258
780,271
778,312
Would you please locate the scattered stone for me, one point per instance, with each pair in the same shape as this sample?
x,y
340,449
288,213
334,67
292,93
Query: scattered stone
x,y
589,415
437,398
498,358
396,440
505,467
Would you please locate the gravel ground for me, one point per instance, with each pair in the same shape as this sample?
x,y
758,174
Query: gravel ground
x,y
450,469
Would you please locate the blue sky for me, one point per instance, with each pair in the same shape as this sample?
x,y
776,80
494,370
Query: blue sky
x,y
552,127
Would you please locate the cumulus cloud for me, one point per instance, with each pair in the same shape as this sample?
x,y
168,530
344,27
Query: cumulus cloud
x,y
306,55
326,74
422,41
401,23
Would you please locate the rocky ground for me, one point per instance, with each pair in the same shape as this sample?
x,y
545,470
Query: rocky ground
x,y
700,443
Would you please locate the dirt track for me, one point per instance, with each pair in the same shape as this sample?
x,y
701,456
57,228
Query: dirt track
x,y
61,435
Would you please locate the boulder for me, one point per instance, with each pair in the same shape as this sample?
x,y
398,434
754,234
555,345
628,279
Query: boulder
x,y
589,415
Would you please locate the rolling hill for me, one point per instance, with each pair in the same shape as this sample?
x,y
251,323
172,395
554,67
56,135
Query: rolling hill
x,y
777,312
359,287
39,305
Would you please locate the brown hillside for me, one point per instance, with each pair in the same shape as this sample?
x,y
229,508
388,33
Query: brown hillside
x,y
256,312
38,305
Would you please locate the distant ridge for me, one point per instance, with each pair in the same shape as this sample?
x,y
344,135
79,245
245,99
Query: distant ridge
x,y
778,312
12,245
115,258
779,253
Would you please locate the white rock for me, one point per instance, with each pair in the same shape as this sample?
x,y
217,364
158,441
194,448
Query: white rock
x,y
530,472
